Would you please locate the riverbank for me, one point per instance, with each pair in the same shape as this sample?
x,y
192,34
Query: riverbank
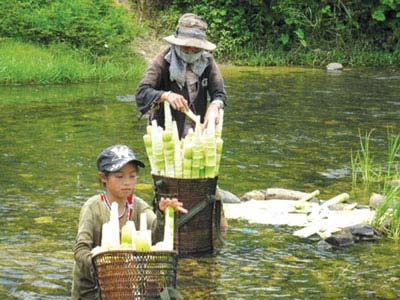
x,y
29,63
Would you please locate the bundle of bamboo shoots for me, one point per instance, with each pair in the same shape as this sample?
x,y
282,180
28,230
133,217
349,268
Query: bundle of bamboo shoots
x,y
198,155
129,239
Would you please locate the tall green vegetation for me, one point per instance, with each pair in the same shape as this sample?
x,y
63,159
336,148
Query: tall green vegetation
x,y
26,63
100,26
386,176
368,168
296,31
44,41
387,217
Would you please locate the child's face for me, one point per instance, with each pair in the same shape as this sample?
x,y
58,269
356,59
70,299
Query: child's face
x,y
121,183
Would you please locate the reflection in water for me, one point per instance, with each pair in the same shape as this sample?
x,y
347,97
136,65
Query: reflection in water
x,y
284,127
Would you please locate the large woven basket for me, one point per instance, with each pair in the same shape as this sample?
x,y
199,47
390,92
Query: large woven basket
x,y
128,274
196,236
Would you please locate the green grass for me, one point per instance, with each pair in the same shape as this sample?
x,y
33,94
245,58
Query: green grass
x,y
387,217
271,55
24,63
362,162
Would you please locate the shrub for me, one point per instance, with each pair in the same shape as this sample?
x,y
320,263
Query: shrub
x,y
98,25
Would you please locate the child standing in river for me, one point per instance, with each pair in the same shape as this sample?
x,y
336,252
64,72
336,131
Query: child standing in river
x,y
118,171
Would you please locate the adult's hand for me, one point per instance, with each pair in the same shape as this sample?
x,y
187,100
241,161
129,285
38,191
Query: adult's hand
x,y
212,115
177,101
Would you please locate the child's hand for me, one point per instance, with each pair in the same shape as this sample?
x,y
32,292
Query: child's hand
x,y
178,206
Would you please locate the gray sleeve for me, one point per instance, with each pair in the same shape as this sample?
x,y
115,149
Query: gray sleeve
x,y
149,89
84,243
216,84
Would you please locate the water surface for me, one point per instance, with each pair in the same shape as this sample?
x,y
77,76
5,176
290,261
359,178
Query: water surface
x,y
285,127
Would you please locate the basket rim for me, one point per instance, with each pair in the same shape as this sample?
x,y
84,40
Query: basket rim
x,y
182,178
130,251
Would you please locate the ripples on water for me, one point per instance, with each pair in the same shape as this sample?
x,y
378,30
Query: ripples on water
x,y
284,127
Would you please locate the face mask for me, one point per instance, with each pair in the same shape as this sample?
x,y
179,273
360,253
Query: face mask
x,y
189,58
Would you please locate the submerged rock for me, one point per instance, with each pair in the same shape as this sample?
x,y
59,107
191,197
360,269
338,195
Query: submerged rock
x,y
324,246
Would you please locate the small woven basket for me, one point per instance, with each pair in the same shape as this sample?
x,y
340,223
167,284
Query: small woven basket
x,y
128,274
196,236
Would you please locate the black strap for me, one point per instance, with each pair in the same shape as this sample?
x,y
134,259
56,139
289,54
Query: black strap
x,y
210,199
195,210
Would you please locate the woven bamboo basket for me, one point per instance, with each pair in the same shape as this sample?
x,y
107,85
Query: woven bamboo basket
x,y
196,236
128,274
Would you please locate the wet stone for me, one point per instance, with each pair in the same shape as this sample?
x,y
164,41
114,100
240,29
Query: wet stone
x,y
334,67
227,197
341,239
375,200
324,246
254,195
363,233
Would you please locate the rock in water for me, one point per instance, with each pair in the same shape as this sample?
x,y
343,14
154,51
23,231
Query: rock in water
x,y
375,200
342,239
279,193
363,233
227,197
254,195
324,246
334,67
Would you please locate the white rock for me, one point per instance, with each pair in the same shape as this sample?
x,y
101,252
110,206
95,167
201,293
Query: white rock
x,y
334,67
295,213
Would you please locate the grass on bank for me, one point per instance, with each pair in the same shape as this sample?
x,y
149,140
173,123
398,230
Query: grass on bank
x,y
354,56
25,63
387,175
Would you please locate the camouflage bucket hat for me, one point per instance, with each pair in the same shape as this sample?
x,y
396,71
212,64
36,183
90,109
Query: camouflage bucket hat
x,y
191,32
115,157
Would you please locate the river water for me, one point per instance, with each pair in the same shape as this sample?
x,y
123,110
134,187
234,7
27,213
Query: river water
x,y
292,128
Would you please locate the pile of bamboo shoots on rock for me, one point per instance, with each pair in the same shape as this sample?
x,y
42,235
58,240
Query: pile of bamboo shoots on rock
x,y
197,155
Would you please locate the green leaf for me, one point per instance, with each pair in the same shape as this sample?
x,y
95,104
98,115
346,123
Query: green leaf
x,y
284,38
299,33
303,43
387,2
378,15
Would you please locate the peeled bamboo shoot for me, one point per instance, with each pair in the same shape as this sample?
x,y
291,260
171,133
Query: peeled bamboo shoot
x,y
197,155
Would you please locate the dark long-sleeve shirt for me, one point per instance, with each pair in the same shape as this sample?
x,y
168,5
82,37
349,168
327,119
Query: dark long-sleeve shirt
x,y
157,80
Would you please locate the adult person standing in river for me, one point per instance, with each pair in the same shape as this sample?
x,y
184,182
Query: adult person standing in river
x,y
186,75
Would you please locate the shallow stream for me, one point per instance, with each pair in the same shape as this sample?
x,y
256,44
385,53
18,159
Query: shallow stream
x,y
285,127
